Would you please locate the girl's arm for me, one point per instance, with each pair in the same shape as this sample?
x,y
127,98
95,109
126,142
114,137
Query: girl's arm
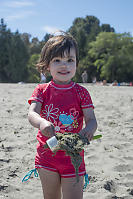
x,y
90,123
37,121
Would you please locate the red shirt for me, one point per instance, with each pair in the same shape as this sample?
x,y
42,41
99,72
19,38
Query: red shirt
x,y
62,105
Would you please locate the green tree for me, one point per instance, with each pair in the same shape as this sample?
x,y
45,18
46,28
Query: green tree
x,y
13,56
107,28
26,38
5,42
34,75
85,30
35,46
112,56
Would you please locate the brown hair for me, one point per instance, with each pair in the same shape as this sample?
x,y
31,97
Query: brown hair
x,y
55,47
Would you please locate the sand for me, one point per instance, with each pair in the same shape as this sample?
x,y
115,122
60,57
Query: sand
x,y
109,161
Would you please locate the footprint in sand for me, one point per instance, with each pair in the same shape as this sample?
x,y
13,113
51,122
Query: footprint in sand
x,y
5,160
3,187
110,186
116,197
12,174
130,191
122,168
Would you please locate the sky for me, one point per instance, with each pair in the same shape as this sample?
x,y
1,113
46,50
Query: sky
x,y
38,17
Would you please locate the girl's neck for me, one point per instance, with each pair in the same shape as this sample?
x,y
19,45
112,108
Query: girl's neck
x,y
61,83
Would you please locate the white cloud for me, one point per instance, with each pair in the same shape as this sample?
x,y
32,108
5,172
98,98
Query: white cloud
x,y
18,4
19,15
50,29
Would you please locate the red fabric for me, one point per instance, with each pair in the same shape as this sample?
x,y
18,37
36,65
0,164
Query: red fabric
x,y
62,105
60,163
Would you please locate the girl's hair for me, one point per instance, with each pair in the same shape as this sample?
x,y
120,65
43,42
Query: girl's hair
x,y
55,47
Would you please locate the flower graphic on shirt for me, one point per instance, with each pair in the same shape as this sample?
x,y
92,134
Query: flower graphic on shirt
x,y
50,113
59,127
75,124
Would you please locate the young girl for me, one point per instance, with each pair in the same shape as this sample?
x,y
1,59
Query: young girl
x,y
60,106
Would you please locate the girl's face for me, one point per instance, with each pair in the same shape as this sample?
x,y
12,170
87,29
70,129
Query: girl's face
x,y
63,68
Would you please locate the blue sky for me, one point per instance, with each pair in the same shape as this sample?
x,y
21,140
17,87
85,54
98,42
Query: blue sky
x,y
39,17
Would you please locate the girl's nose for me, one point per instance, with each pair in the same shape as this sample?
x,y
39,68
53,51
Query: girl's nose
x,y
64,63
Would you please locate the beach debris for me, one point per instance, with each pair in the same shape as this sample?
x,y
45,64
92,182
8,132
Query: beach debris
x,y
3,187
52,143
110,186
116,197
5,160
130,191
72,144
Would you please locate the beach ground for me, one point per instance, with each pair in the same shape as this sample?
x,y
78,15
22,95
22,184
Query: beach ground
x,y
109,161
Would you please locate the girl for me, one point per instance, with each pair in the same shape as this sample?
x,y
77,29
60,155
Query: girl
x,y
60,106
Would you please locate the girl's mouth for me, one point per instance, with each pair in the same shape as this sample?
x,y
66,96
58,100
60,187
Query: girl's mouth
x,y
64,73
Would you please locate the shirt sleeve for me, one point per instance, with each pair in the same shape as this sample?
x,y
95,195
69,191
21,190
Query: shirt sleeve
x,y
37,95
85,98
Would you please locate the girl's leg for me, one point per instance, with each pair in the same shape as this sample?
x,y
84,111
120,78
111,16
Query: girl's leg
x,y
51,184
71,189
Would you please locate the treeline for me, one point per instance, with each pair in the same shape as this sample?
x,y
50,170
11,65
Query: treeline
x,y
103,53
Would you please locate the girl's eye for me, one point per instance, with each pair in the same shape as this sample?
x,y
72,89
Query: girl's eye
x,y
57,60
70,60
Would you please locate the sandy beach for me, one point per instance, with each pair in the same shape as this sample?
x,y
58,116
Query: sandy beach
x,y
109,161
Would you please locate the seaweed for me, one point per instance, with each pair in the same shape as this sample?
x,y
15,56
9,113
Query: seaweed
x,y
72,144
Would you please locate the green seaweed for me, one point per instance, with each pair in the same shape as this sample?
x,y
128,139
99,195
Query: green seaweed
x,y
97,137
72,144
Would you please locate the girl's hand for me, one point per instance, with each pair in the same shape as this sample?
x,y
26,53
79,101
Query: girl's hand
x,y
86,134
90,124
47,128
89,136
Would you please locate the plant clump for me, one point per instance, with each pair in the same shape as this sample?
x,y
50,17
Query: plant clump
x,y
72,144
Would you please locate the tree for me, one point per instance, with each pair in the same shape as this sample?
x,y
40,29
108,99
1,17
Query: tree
x,y
13,56
26,38
19,59
112,56
84,30
34,75
5,43
35,46
107,28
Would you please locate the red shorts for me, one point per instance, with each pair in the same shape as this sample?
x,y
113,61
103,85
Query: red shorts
x,y
60,163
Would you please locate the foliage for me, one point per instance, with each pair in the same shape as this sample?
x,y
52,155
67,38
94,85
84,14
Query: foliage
x,y
72,144
34,75
13,56
112,56
85,30
103,53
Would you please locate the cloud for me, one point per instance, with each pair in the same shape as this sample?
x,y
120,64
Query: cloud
x,y
50,29
20,15
18,4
